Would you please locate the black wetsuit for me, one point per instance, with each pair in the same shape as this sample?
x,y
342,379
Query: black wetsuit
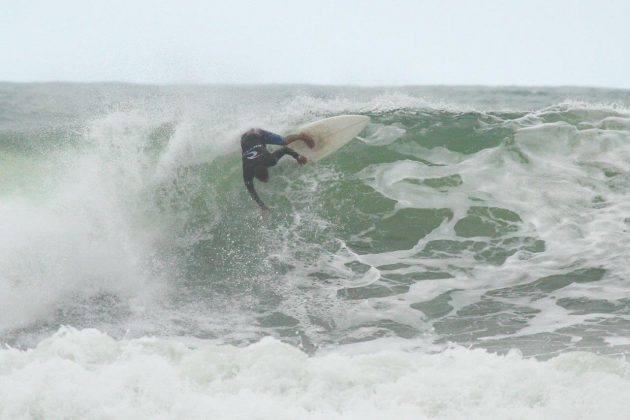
x,y
255,153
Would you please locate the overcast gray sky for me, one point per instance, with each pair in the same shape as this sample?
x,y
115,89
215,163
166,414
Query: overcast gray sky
x,y
369,42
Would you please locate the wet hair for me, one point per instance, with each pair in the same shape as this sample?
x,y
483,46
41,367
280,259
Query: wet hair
x,y
261,173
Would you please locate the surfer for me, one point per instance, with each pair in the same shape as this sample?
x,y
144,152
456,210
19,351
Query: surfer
x,y
256,157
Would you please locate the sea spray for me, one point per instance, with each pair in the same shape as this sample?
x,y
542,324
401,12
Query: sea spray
x,y
465,258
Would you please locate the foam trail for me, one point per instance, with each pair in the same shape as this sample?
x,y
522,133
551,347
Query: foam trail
x,y
78,374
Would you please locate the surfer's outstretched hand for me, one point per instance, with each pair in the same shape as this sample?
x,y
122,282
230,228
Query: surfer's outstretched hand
x,y
308,139
302,160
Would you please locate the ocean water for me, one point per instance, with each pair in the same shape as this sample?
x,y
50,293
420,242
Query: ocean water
x,y
466,258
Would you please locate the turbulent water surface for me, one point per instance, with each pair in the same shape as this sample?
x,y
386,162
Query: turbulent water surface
x,y
466,258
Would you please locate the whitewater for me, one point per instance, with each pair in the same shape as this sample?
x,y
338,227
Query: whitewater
x,y
466,258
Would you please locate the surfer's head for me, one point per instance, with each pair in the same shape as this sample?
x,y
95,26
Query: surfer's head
x,y
261,173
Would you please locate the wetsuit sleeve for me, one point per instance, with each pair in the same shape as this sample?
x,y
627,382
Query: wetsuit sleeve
x,y
271,138
291,152
252,192
285,151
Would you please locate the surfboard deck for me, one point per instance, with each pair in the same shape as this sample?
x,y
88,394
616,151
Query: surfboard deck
x,y
330,134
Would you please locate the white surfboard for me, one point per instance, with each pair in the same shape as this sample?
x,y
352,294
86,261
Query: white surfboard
x,y
330,134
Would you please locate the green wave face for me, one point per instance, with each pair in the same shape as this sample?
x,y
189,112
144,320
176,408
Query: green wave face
x,y
491,217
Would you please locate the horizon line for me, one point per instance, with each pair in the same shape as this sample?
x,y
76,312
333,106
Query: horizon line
x,y
339,85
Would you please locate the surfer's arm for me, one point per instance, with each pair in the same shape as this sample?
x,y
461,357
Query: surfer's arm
x,y
288,151
273,138
300,159
305,137
252,192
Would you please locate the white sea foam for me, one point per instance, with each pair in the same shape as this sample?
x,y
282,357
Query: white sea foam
x,y
86,374
556,177
78,236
